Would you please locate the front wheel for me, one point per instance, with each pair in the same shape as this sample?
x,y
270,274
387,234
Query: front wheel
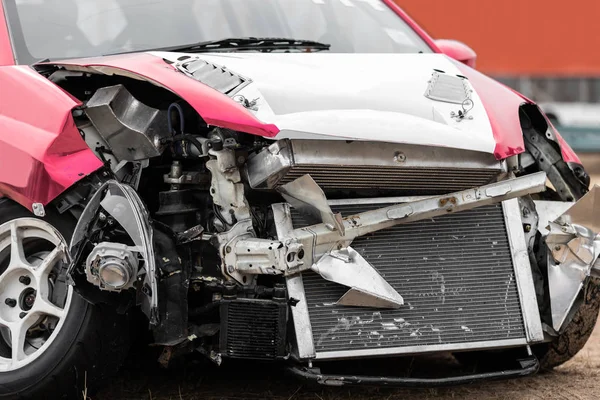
x,y
53,344
576,333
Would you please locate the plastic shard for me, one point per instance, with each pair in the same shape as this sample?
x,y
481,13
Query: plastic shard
x,y
305,195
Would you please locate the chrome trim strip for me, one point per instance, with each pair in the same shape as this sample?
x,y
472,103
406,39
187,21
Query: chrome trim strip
x,y
333,355
305,345
523,274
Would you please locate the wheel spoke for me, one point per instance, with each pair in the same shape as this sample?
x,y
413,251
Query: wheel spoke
x,y
17,254
44,306
18,332
41,271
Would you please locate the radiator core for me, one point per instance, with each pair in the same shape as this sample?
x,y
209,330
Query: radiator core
x,y
454,272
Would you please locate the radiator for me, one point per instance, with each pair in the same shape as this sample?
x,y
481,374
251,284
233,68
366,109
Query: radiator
x,y
456,276
366,166
252,328
421,180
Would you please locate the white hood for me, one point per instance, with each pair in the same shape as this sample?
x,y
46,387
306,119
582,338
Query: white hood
x,y
355,97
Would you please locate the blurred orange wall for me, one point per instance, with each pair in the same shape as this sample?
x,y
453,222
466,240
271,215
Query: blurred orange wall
x,y
518,37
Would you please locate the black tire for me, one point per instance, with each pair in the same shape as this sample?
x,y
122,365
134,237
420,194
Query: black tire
x,y
88,349
577,333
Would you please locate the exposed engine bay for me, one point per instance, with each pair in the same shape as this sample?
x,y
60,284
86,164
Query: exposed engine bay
x,y
240,246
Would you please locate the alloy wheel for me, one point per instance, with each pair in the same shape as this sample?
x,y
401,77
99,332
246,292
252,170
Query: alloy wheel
x,y
34,301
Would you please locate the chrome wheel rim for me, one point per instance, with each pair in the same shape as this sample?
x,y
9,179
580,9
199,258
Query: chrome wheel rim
x,y
31,313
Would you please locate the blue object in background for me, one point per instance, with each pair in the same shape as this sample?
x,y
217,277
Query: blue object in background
x,y
582,140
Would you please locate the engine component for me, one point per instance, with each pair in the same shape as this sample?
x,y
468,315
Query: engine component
x,y
227,191
131,135
178,206
112,266
254,329
178,209
339,165
177,177
173,292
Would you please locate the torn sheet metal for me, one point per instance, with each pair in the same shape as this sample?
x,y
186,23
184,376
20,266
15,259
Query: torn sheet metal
x,y
305,195
367,288
573,251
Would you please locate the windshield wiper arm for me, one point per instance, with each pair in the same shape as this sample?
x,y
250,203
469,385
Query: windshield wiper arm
x,y
249,44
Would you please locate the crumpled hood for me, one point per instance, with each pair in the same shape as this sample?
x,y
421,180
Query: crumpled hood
x,y
353,97
337,96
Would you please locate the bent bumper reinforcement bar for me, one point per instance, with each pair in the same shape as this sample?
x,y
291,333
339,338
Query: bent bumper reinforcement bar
x,y
529,366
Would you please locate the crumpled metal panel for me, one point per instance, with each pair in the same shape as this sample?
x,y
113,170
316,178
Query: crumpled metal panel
x,y
573,251
133,130
454,272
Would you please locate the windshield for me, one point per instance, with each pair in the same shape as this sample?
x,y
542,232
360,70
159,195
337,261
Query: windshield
x,y
56,29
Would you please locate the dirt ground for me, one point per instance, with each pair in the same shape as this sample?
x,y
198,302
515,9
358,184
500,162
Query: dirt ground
x,y
578,379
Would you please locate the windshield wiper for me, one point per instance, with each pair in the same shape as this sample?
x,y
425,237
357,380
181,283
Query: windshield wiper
x,y
249,44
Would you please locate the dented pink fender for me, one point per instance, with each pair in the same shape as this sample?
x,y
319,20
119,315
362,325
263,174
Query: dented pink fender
x,y
501,103
41,151
502,106
215,108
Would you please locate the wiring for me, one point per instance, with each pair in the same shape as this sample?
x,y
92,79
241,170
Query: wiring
x,y
175,106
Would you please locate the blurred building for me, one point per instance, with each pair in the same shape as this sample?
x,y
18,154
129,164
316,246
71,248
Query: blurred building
x,y
547,49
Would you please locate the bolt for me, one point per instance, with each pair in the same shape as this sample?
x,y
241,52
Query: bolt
x,y
399,157
10,302
25,280
29,300
557,247
228,249
22,315
230,269
527,228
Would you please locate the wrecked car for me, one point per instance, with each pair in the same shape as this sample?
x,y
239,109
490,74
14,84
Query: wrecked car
x,y
298,182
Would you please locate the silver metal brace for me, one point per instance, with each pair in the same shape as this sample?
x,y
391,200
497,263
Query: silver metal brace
x,y
318,240
573,249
